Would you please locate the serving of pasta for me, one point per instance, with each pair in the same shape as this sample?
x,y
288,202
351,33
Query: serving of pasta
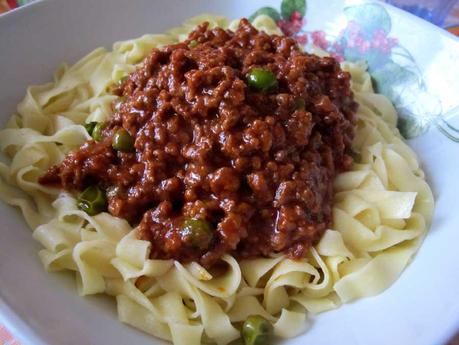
x,y
381,212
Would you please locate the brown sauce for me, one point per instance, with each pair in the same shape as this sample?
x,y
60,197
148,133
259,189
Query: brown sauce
x,y
258,167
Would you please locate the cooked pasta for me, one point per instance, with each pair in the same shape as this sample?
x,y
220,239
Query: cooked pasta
x,y
381,213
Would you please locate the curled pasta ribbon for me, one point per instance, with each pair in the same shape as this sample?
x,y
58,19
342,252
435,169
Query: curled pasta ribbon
x,y
222,286
132,259
382,209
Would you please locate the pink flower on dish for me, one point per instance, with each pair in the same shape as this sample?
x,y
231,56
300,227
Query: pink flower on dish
x,y
353,42
293,25
288,28
362,45
379,34
337,56
302,39
337,48
296,16
382,43
319,39
353,30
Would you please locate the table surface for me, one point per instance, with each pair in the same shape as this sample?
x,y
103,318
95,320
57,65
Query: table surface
x,y
451,24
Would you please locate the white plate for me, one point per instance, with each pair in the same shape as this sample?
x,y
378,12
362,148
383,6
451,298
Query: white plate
x,y
419,70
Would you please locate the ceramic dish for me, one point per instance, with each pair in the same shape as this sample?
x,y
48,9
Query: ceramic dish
x,y
411,62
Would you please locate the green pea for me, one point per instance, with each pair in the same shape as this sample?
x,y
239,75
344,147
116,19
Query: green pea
x,y
92,200
256,330
97,131
193,43
123,141
90,127
198,231
262,80
300,103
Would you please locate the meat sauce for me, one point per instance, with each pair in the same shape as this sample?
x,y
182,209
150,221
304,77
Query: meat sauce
x,y
254,167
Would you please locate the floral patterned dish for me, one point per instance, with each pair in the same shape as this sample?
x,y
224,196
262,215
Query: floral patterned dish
x,y
411,61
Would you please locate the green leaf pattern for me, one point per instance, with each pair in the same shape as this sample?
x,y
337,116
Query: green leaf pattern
x,y
369,16
269,11
290,6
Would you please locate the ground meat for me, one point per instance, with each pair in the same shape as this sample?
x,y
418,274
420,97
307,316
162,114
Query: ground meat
x,y
256,166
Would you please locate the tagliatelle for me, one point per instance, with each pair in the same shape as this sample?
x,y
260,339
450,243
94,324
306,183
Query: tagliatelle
x,y
381,213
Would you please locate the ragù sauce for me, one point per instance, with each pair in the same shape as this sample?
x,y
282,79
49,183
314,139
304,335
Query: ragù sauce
x,y
236,139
